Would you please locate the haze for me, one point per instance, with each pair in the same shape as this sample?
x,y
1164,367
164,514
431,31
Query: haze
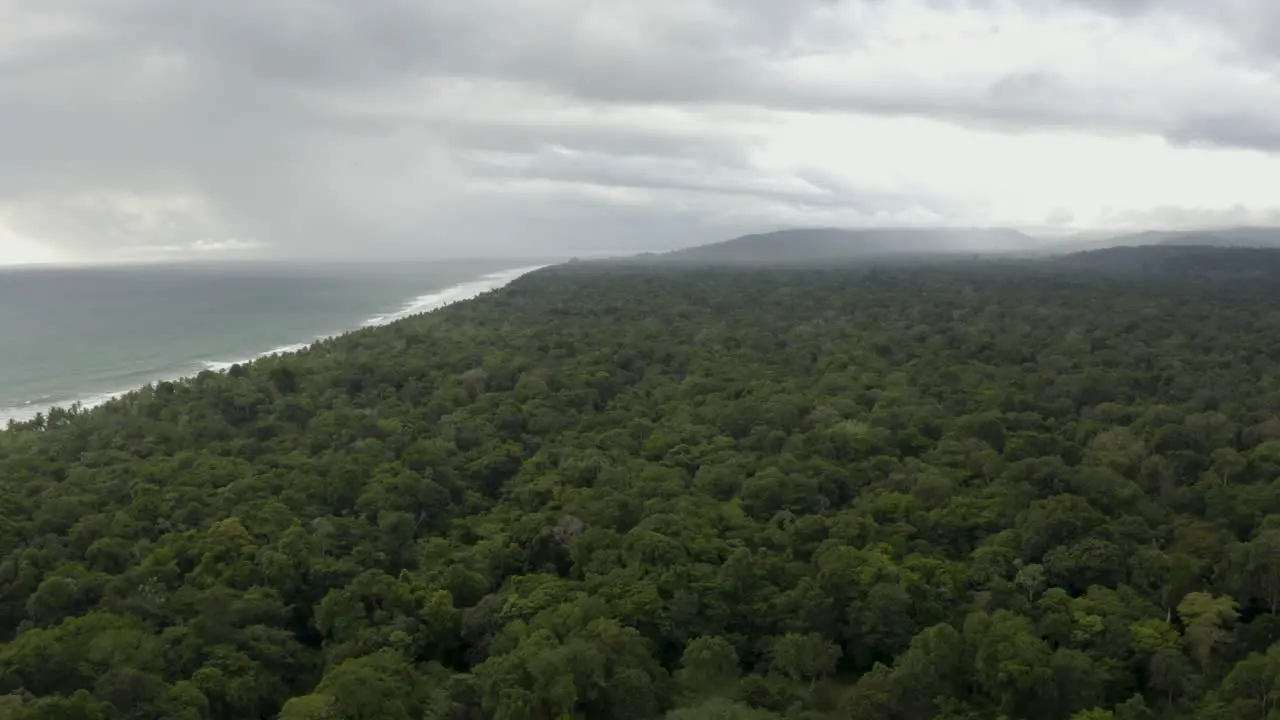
x,y
143,129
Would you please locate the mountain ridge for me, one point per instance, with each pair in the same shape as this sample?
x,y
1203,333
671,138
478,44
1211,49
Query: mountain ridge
x,y
831,243
821,244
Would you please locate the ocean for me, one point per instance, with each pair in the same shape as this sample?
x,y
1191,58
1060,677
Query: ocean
x,y
87,334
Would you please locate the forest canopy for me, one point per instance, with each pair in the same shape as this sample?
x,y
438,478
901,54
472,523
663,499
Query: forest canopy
x,y
950,492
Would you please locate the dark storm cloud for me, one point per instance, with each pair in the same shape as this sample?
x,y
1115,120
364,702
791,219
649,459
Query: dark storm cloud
x,y
235,102
1123,7
695,53
296,122
1228,131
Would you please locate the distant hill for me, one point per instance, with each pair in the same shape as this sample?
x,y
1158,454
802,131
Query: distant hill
x,y
1177,257
823,245
810,245
1242,237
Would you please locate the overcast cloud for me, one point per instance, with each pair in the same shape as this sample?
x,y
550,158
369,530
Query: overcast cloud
x,y
154,128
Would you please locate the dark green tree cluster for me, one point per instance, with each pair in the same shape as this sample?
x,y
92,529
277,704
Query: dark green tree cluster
x,y
926,493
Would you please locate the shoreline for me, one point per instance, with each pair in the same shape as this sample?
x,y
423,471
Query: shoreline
x,y
425,303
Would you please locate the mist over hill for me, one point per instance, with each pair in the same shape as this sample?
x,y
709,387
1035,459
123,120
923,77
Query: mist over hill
x,y
1240,237
1173,259
803,245
816,245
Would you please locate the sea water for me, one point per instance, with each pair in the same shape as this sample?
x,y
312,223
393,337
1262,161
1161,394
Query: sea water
x,y
87,334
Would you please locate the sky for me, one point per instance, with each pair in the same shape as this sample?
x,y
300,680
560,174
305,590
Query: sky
x,y
133,129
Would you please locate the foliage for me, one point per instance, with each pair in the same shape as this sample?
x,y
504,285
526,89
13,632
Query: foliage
x,y
968,491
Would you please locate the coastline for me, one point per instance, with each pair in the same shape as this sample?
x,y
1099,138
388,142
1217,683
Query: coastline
x,y
425,303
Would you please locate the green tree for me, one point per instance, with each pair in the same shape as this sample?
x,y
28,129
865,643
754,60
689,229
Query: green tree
x,y
1207,619
708,666
804,657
